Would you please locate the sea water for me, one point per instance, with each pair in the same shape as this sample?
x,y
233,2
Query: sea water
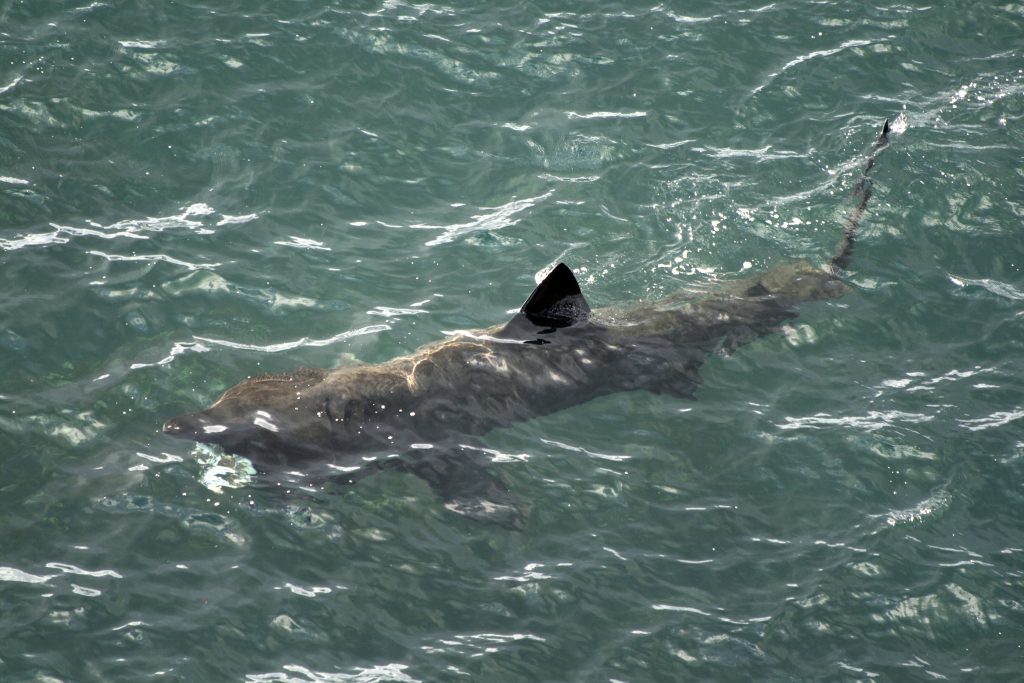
x,y
192,192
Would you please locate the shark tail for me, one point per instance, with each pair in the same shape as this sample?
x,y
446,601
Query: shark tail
x,y
844,252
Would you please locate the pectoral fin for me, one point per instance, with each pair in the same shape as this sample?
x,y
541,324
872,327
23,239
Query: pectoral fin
x,y
467,486
682,387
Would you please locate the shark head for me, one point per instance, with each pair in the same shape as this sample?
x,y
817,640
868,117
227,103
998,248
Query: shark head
x,y
305,416
269,418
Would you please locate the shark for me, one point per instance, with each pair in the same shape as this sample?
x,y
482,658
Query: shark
x,y
414,412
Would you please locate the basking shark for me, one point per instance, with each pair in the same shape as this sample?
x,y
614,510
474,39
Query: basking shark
x,y
412,412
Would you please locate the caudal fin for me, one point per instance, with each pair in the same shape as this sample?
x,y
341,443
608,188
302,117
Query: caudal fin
x,y
841,259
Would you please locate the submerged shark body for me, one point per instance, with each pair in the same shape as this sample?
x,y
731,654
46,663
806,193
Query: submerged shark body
x,y
555,353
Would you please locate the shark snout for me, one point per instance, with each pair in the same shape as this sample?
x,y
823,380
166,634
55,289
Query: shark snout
x,y
201,427
189,426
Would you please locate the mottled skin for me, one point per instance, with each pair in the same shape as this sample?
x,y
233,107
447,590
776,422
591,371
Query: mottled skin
x,y
554,354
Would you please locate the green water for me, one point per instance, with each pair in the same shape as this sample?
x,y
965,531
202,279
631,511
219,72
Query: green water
x,y
192,192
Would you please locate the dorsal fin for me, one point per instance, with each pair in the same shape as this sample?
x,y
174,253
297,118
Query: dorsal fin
x,y
557,301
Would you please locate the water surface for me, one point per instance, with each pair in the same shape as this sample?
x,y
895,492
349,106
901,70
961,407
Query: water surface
x,y
193,192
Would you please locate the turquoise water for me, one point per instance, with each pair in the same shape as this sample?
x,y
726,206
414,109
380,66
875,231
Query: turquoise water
x,y
193,192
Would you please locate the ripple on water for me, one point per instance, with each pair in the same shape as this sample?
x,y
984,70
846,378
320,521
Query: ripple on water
x,y
951,607
930,507
489,219
16,575
295,673
871,421
196,519
198,218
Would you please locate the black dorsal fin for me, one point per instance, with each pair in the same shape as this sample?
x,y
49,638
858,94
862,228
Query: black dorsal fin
x,y
557,301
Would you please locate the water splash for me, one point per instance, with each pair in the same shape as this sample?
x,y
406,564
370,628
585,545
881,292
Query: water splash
x,y
219,470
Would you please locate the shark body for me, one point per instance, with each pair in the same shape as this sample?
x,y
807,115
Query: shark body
x,y
555,353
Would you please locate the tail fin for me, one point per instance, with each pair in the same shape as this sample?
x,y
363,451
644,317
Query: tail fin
x,y
841,259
